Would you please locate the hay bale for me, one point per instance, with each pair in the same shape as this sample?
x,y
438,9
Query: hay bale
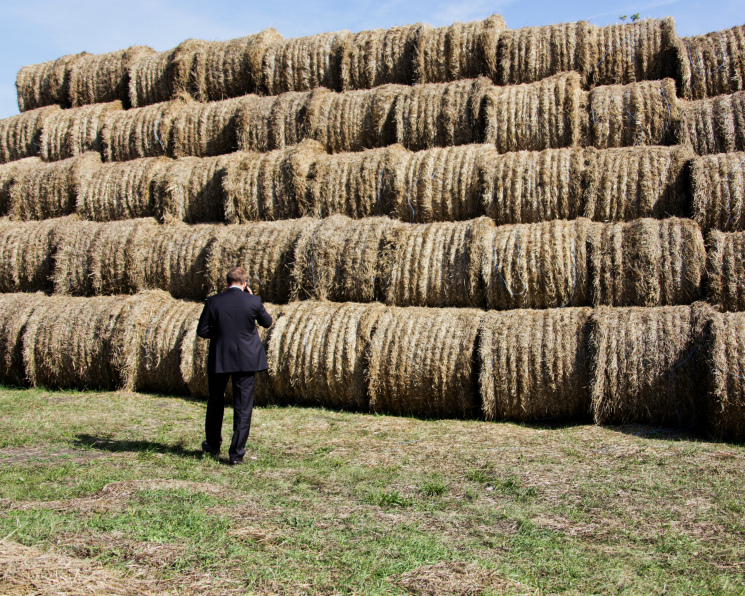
x,y
266,250
435,264
142,132
45,84
205,129
535,116
68,133
718,189
267,186
725,270
20,135
647,262
531,186
162,76
339,259
627,115
27,255
644,365
458,51
15,310
422,362
266,123
102,78
625,184
726,360
72,240
121,190
534,364
223,69
715,125
317,354
541,265
9,172
72,342
358,185
714,64
191,189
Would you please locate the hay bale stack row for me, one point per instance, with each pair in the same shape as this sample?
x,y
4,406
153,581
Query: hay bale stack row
x,y
714,64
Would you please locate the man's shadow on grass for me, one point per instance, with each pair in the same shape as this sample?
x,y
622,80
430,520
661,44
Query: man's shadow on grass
x,y
117,446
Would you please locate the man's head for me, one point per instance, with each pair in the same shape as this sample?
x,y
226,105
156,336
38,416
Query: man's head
x,y
238,277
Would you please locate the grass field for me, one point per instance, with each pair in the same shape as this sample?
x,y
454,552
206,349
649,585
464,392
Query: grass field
x,y
344,503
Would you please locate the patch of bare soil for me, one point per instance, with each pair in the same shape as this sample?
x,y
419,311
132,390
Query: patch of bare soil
x,y
455,578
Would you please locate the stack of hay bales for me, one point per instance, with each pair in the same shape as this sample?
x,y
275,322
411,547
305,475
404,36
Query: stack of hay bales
x,y
467,221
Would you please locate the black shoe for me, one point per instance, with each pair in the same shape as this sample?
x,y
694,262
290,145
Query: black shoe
x,y
236,462
208,450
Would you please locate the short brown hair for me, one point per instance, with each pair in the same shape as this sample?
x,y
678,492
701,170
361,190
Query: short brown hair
x,y
237,275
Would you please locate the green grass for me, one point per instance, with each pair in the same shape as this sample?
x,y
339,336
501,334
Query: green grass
x,y
349,503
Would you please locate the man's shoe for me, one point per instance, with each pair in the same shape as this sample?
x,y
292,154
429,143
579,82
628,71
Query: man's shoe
x,y
236,462
208,450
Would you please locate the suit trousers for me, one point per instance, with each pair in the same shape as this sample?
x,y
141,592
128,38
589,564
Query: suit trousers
x,y
243,403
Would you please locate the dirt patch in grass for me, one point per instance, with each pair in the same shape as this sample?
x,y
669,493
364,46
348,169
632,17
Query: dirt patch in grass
x,y
457,579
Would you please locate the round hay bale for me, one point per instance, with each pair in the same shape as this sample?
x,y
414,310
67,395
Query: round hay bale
x,y
223,69
531,186
266,250
725,270
205,129
435,264
535,116
644,366
9,173
718,189
45,84
714,64
647,262
629,183
123,190
162,76
530,54
339,259
627,115
254,127
20,135
191,189
540,265
102,78
422,362
715,125
317,354
72,269
72,342
534,364
27,255
15,310
68,133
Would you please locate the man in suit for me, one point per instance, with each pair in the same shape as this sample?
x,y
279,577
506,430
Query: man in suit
x,y
229,322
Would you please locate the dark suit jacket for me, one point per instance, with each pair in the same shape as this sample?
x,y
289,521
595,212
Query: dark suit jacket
x,y
229,322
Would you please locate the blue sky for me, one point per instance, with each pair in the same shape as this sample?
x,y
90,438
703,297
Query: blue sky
x,y
34,31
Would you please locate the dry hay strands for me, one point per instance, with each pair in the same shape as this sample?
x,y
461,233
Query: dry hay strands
x,y
162,76
628,183
726,361
644,113
266,250
27,255
191,189
718,188
458,51
20,135
725,270
142,132
49,189
317,354
74,342
360,184
644,365
540,265
268,186
534,364
72,239
45,84
232,68
205,129
67,133
9,173
531,186
714,64
121,190
154,329
437,264
534,116
422,362
440,184
339,259
715,125
15,310
267,123
647,262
